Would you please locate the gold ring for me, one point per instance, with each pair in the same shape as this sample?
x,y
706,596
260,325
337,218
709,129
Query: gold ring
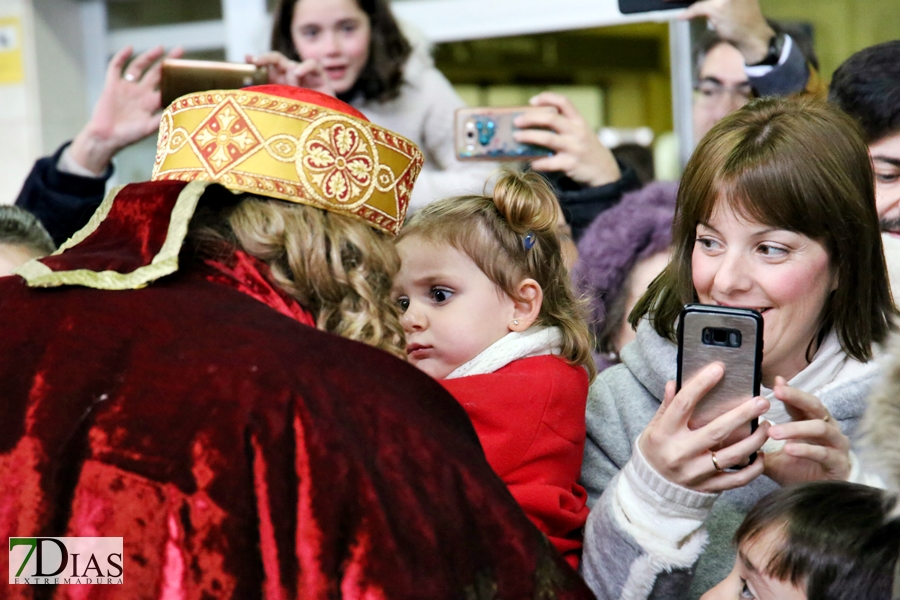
x,y
130,77
716,462
826,418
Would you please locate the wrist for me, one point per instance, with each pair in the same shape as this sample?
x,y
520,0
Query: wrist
x,y
604,176
755,48
92,151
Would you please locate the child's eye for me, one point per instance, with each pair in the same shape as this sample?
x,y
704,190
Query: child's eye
x,y
440,295
403,303
309,32
745,590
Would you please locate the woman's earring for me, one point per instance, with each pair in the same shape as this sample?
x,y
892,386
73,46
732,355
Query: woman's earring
x,y
515,321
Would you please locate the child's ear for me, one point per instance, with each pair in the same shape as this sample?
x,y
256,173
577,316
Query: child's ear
x,y
527,301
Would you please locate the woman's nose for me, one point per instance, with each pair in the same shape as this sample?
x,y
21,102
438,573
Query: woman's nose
x,y
331,44
733,275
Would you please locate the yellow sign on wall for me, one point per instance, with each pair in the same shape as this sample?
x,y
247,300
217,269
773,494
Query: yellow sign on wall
x,y
11,69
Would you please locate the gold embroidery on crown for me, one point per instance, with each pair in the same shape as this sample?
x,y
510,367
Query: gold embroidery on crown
x,y
282,147
225,138
335,163
338,162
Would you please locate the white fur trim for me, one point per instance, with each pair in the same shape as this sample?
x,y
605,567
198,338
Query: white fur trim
x,y
534,341
859,475
660,515
643,572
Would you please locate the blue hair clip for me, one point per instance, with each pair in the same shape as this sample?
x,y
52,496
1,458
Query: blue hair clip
x,y
529,240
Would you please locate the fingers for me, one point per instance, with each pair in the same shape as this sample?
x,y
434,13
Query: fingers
x,y
563,162
815,430
117,63
738,453
801,405
732,479
305,68
270,59
142,62
697,9
721,428
559,102
540,137
682,405
539,119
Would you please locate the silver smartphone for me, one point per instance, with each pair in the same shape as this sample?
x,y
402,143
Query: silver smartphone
x,y
733,337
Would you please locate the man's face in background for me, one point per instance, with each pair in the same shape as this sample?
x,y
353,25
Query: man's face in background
x,y
885,155
722,88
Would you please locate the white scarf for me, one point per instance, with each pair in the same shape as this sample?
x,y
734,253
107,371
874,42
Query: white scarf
x,y
830,365
534,341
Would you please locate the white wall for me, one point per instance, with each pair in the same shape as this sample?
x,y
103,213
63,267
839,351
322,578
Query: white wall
x,y
20,129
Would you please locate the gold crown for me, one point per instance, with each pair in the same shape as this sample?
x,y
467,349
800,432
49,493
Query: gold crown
x,y
275,144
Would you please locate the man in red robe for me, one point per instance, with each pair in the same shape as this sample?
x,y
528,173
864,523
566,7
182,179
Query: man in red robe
x,y
186,402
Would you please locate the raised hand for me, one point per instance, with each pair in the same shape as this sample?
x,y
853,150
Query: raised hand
x,y
127,111
740,22
284,71
577,150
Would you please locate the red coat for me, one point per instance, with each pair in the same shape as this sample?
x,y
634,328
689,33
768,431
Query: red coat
x,y
529,416
239,452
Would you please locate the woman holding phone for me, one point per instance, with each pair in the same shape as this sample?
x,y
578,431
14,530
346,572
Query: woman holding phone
x,y
355,50
775,212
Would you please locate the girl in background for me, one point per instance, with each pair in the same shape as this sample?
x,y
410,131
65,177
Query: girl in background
x,y
355,50
488,309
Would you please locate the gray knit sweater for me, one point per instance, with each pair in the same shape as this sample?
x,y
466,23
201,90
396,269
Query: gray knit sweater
x,y
620,561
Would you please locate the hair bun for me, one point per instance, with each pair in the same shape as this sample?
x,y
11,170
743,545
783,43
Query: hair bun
x,y
526,201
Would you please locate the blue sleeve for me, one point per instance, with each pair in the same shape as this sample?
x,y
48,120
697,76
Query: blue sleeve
x,y
788,77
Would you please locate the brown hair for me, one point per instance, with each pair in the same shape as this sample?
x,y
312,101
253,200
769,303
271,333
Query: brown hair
x,y
834,539
492,232
337,267
382,77
18,227
796,164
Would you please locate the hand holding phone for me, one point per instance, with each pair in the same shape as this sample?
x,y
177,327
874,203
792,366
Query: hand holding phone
x,y
282,70
487,133
683,455
733,337
180,77
577,149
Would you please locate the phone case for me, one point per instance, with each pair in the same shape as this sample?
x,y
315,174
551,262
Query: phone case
x,y
180,77
732,336
627,7
486,133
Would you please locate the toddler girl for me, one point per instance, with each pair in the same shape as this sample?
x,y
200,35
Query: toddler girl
x,y
489,310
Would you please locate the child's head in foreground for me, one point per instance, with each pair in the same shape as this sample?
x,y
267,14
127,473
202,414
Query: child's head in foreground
x,y
828,540
475,268
22,237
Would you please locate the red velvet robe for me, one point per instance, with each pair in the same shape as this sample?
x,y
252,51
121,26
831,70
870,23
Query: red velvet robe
x,y
243,454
